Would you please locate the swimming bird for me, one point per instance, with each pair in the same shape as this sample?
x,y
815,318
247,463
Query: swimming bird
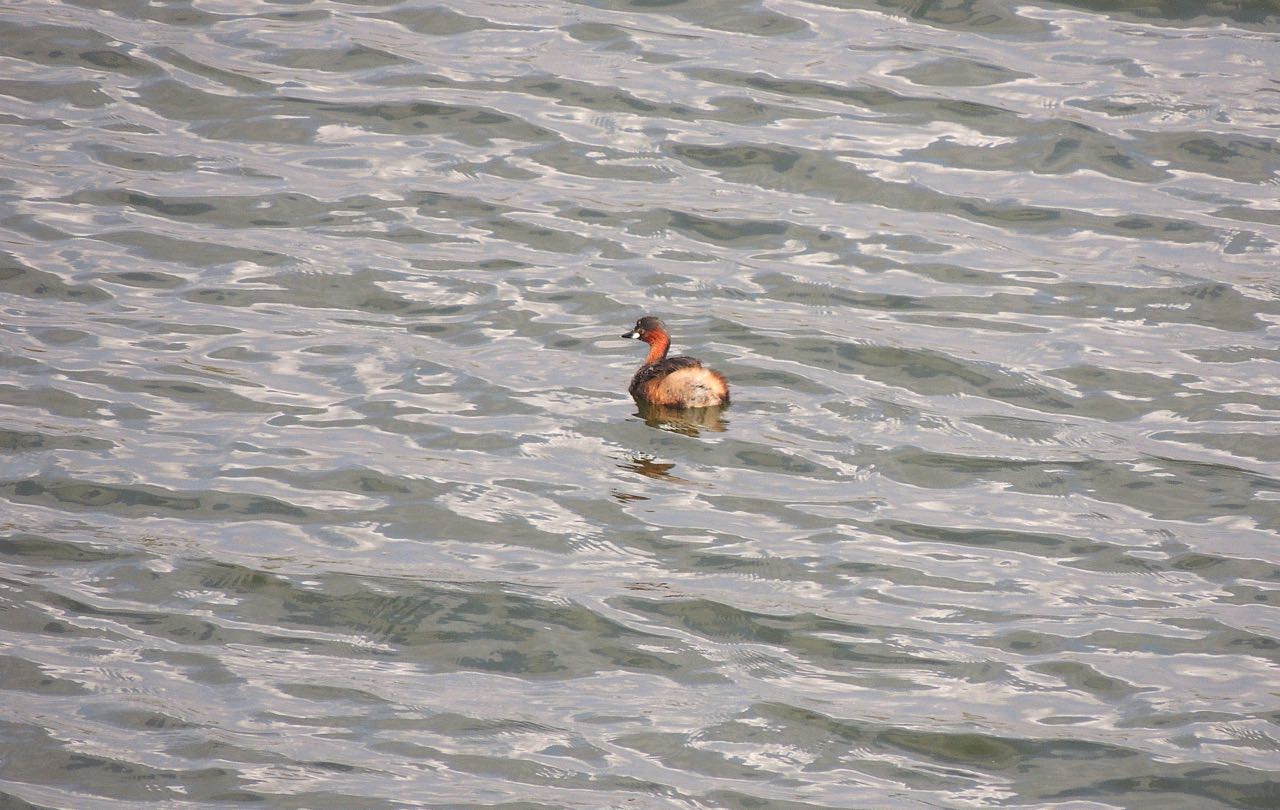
x,y
681,382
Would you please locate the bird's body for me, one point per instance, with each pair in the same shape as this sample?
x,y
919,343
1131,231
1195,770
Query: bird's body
x,y
680,382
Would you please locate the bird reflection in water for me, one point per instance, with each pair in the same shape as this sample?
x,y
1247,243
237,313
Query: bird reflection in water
x,y
646,466
687,421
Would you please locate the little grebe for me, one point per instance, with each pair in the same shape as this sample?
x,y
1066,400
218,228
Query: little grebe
x,y
679,382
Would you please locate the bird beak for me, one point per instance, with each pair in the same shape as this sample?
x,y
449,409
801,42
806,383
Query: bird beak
x,y
634,333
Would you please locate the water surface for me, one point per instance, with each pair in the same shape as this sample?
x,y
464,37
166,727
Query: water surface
x,y
321,486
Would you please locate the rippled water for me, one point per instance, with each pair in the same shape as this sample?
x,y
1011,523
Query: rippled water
x,y
322,488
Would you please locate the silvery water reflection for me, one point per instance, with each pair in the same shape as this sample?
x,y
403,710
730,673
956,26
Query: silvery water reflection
x,y
322,485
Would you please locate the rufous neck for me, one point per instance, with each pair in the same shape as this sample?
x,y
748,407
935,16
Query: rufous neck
x,y
658,345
